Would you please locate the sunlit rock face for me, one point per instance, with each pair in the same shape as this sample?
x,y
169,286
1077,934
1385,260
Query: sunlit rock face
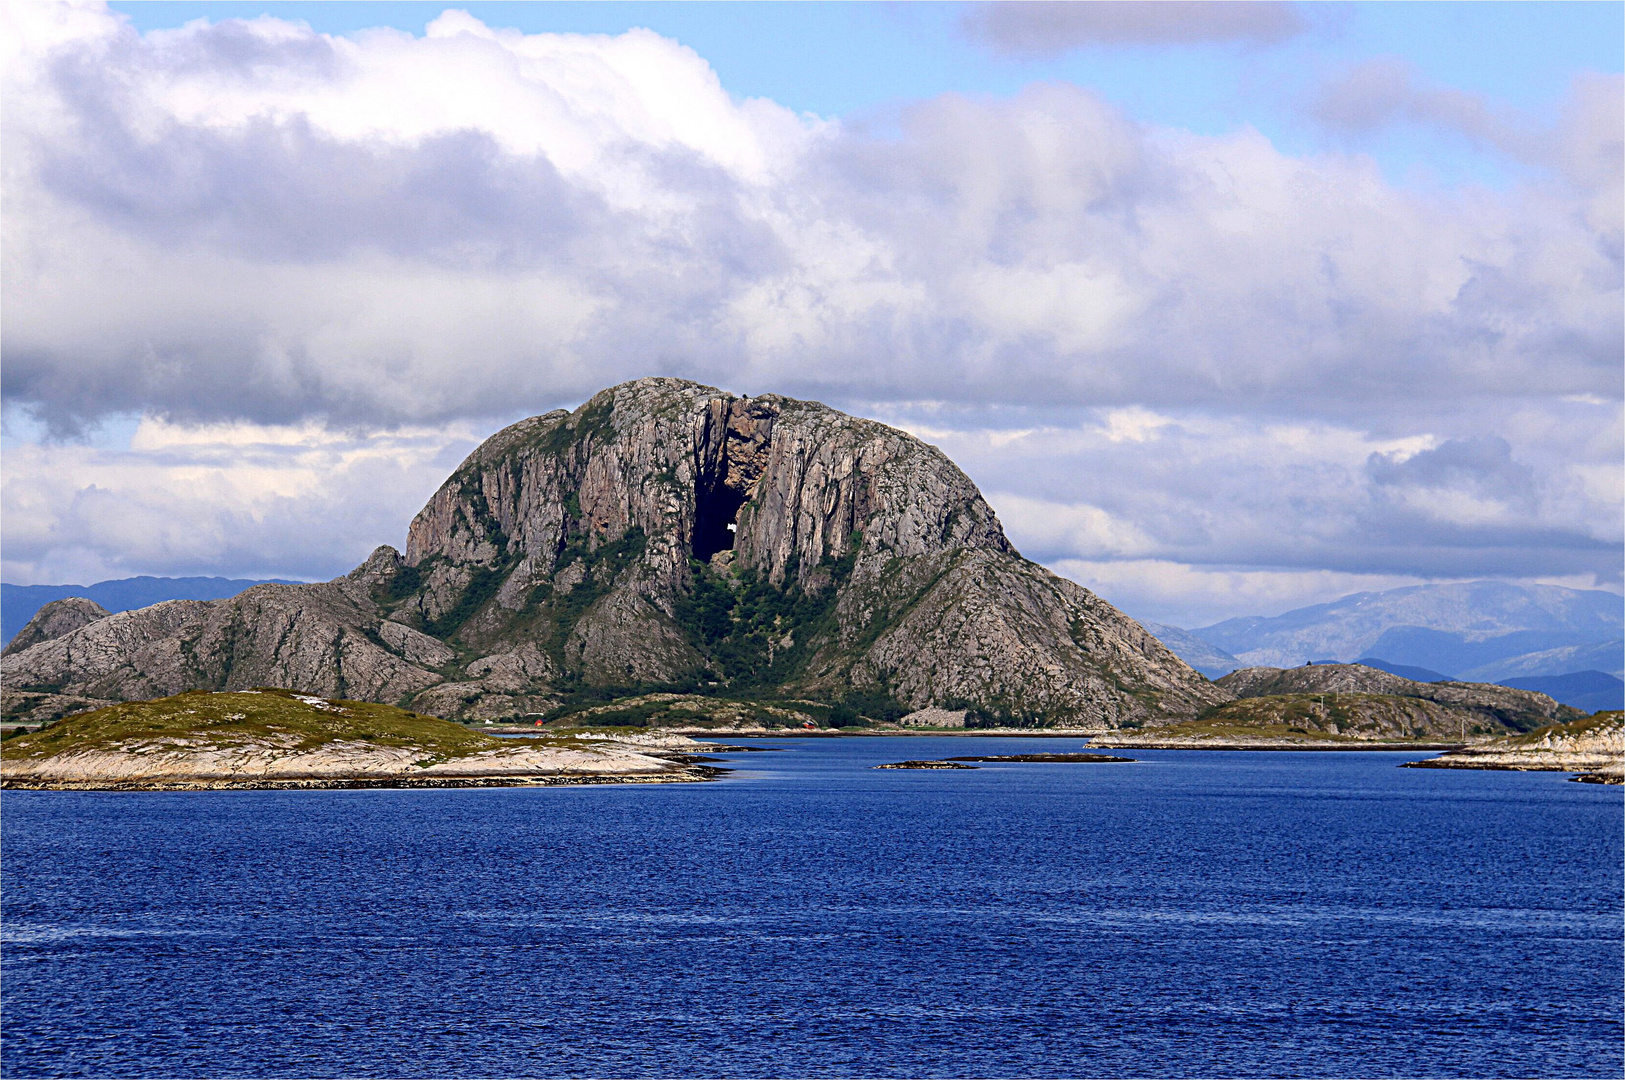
x,y
56,619
668,534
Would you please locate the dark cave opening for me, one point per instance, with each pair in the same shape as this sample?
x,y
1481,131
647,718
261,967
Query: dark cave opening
x,y
715,512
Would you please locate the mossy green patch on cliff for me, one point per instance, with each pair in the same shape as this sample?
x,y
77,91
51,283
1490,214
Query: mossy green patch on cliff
x,y
757,634
221,720
556,614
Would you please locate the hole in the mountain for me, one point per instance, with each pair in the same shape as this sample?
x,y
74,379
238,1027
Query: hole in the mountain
x,y
715,518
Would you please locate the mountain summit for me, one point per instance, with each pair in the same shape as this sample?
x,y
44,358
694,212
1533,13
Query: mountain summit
x,y
663,535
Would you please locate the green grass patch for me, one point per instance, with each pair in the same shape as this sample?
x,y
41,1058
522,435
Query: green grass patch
x,y
222,720
1595,724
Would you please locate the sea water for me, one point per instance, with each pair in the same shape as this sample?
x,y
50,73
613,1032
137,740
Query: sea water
x,y
1192,913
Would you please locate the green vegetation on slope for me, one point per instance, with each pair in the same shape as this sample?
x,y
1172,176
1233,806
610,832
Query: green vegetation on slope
x,y
756,634
1595,724
558,613
1353,715
223,720
759,637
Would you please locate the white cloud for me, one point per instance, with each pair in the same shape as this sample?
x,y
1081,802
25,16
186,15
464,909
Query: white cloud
x,y
1193,596
1154,347
252,500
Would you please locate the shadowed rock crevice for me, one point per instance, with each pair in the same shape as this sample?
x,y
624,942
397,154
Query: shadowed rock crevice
x,y
716,519
733,462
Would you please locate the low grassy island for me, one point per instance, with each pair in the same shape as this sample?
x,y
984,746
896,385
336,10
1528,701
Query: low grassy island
x,y
270,738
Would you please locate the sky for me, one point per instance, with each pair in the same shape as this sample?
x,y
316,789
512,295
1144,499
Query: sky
x,y
1227,308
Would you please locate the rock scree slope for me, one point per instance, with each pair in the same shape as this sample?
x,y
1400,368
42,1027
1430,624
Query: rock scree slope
x,y
663,536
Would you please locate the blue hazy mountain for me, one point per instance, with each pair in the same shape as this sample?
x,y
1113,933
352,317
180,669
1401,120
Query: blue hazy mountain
x,y
1588,690
1210,660
1445,628
1607,657
1404,671
18,603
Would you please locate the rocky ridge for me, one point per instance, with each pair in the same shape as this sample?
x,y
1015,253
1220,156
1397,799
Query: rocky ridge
x,y
663,536
1370,696
54,620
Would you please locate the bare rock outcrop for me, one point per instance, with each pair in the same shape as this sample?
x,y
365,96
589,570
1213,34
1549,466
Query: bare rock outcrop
x,y
668,536
1593,746
55,619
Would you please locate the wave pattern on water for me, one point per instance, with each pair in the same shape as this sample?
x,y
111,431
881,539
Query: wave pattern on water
x,y
1207,914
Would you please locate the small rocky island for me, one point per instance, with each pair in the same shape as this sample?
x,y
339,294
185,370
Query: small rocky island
x,y
1593,747
266,738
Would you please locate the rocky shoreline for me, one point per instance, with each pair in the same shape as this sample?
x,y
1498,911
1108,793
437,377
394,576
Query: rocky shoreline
x,y
1151,742
1593,747
270,739
699,773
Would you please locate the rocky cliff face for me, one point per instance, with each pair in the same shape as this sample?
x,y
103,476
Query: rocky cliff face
x,y
667,535
55,619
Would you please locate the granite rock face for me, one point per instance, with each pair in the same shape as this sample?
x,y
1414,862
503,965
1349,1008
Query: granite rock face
x,y
668,535
55,619
1594,745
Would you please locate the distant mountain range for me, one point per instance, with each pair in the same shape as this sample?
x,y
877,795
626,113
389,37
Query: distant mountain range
x,y
1588,690
1210,660
1481,631
18,603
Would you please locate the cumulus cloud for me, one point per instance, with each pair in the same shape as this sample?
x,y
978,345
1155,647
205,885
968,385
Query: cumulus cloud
x,y
1229,495
1037,28
1586,146
272,224
252,224
260,501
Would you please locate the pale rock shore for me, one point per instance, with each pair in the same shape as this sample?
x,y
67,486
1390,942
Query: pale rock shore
x,y
170,764
1593,747
1223,742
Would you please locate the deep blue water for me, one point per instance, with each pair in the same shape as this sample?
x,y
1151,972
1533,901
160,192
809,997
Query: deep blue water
x,y
1197,913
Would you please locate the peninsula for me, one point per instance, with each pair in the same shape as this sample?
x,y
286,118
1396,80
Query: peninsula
x,y
266,738
1593,747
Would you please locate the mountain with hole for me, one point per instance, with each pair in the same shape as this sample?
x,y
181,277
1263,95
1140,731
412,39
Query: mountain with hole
x,y
665,537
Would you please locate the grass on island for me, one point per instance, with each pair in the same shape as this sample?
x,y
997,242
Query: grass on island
x,y
1596,724
203,720
1346,717
1341,717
